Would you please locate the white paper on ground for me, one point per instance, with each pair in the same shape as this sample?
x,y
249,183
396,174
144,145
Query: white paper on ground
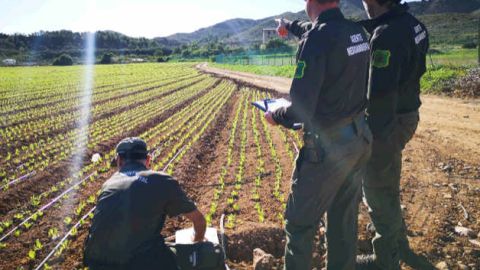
x,y
185,236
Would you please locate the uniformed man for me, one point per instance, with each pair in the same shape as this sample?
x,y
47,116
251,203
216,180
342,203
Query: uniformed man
x,y
328,95
399,45
130,214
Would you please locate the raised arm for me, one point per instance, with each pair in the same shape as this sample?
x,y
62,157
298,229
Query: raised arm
x,y
297,27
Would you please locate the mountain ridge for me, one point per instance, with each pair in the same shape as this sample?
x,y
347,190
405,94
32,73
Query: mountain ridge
x,y
250,31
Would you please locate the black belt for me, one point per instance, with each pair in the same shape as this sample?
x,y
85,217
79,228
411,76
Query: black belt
x,y
354,124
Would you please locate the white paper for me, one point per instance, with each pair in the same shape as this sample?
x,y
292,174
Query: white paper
x,y
272,104
185,236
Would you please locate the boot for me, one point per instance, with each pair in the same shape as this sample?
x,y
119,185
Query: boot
x,y
415,261
366,262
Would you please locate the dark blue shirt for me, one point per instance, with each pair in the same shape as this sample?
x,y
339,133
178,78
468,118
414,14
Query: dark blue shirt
x,y
131,212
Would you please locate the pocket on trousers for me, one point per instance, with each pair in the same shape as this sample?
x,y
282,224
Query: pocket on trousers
x,y
405,130
309,155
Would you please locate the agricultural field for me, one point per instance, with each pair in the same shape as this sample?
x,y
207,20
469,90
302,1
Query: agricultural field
x,y
200,128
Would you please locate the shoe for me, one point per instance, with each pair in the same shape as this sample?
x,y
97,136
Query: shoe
x,y
366,262
415,261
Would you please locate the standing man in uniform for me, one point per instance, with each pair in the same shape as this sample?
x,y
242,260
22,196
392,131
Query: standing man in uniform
x,y
328,95
131,212
399,43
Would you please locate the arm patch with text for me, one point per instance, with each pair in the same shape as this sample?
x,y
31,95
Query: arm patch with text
x,y
300,70
381,58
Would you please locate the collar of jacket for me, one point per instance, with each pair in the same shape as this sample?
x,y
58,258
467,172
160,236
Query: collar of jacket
x,y
329,15
371,25
133,167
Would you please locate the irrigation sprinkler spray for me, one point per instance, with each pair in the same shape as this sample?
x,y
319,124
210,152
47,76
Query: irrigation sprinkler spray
x,y
82,123
85,105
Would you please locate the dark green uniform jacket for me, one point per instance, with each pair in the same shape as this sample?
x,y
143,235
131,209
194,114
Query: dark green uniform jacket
x,y
130,215
399,45
330,79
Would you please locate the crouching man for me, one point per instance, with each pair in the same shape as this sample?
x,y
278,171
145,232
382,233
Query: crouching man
x,y
131,212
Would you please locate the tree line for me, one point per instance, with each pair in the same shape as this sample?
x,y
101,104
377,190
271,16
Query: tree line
x,y
56,46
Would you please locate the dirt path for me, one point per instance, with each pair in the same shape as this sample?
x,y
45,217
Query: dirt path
x,y
440,176
279,84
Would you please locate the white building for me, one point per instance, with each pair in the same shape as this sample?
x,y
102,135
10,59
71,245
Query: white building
x,y
268,34
9,62
137,60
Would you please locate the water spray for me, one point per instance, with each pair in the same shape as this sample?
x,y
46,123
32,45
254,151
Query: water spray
x,y
81,139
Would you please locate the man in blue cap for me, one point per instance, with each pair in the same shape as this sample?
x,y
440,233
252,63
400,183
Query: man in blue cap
x,y
131,212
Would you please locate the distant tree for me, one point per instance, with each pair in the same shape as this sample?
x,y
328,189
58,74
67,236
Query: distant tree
x,y
177,50
255,46
278,45
186,53
167,51
159,52
63,60
107,58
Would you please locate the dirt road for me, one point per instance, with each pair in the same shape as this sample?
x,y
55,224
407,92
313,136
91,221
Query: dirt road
x,y
440,177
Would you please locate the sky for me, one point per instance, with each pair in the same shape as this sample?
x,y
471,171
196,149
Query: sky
x,y
135,18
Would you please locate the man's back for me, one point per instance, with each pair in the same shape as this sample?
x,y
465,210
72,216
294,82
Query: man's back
x,y
330,79
415,39
343,92
131,212
399,47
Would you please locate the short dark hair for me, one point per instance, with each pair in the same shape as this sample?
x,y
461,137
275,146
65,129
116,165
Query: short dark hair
x,y
327,1
389,2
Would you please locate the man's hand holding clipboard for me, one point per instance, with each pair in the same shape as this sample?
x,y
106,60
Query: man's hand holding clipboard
x,y
270,105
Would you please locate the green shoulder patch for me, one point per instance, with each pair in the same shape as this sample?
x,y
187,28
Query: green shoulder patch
x,y
381,58
300,70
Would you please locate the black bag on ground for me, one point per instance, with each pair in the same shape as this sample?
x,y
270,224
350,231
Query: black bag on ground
x,y
198,256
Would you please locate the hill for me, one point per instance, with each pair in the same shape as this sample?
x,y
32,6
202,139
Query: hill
x,y
451,28
218,31
449,21
444,6
247,31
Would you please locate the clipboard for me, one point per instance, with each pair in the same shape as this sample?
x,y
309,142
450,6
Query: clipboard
x,y
185,236
271,105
